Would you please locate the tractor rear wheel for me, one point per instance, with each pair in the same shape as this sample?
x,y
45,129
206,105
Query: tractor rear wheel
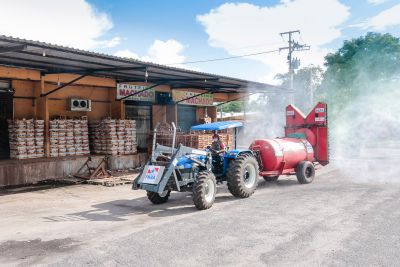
x,y
242,176
305,172
271,178
204,190
156,198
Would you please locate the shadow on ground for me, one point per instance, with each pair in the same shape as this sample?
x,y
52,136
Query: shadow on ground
x,y
178,204
118,210
42,186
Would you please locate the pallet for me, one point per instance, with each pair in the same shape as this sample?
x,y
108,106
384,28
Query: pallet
x,y
114,180
70,180
127,177
109,182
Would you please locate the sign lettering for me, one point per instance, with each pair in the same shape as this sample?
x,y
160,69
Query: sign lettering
x,y
124,90
290,113
202,100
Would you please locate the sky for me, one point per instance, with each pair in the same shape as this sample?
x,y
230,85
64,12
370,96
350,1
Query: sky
x,y
175,32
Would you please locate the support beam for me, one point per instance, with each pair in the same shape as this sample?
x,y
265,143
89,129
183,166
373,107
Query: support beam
x,y
111,69
238,98
64,85
208,86
14,48
165,81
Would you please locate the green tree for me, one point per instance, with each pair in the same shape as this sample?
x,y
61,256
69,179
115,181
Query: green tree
x,y
361,85
235,106
358,67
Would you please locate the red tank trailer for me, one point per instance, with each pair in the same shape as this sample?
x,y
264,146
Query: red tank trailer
x,y
304,146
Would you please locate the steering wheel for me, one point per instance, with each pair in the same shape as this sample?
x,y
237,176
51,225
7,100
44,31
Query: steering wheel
x,y
215,151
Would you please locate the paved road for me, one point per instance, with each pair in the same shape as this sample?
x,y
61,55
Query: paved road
x,y
334,221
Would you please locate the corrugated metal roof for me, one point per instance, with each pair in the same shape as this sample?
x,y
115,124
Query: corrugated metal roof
x,y
50,58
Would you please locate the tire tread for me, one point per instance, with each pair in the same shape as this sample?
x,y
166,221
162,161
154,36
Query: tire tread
x,y
234,177
300,172
199,190
155,198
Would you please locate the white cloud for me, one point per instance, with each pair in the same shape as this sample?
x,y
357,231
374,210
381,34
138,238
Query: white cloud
x,y
109,43
126,53
165,52
243,25
162,52
383,20
377,2
73,23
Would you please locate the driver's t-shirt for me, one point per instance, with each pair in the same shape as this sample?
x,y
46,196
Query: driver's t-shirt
x,y
218,145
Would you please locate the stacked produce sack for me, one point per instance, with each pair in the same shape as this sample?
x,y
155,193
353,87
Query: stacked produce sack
x,y
113,137
81,137
26,138
68,137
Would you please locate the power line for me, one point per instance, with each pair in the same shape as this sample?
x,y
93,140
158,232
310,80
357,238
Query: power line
x,y
255,45
225,58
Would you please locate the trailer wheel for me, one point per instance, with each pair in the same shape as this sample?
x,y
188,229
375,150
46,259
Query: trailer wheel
x,y
156,198
204,190
305,172
242,176
271,178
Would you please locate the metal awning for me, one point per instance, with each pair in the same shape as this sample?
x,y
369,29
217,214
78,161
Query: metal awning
x,y
51,59
217,126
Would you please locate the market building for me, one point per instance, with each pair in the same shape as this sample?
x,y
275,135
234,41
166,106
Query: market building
x,y
44,82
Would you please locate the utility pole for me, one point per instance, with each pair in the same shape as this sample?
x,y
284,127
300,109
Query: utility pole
x,y
293,63
311,90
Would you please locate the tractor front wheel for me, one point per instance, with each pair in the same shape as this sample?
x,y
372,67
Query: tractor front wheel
x,y
305,172
271,178
204,190
242,176
156,198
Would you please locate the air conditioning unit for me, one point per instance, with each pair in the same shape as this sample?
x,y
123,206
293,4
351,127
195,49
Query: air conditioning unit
x,y
76,104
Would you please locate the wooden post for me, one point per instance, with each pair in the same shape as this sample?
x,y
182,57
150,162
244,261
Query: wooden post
x,y
117,108
122,104
42,112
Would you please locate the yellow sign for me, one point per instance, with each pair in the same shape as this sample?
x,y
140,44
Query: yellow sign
x,y
201,100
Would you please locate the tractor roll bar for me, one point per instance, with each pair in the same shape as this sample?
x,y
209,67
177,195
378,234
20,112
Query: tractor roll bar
x,y
173,138
154,142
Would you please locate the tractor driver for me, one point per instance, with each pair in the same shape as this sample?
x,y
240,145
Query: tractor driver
x,y
217,145
217,148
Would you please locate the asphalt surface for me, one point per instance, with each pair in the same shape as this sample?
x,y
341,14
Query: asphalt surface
x,y
335,221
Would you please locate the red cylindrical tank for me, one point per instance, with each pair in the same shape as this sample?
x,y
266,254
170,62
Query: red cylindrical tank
x,y
290,150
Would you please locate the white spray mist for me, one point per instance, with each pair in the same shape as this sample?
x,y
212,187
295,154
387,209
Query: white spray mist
x,y
267,120
365,137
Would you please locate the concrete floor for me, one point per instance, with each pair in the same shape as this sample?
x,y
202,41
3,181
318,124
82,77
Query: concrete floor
x,y
334,221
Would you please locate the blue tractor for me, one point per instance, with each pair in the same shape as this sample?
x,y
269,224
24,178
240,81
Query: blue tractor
x,y
186,169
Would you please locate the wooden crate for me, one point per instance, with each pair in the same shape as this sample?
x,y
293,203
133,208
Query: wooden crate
x,y
195,139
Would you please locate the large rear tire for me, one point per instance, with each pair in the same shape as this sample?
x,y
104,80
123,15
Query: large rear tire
x,y
156,198
242,176
204,190
305,172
